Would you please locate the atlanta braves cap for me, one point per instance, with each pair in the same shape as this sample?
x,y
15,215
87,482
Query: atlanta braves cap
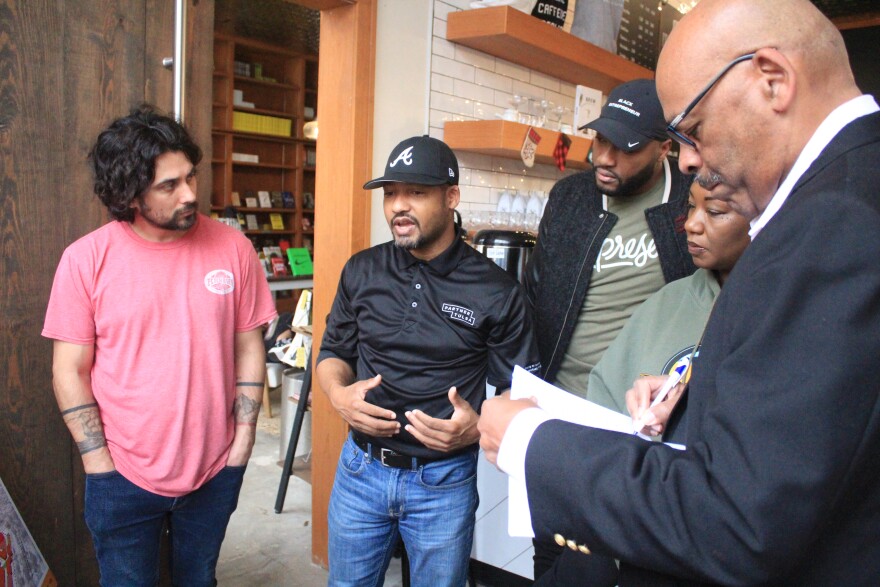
x,y
421,160
632,116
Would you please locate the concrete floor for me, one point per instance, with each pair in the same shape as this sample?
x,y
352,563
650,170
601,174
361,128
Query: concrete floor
x,y
265,549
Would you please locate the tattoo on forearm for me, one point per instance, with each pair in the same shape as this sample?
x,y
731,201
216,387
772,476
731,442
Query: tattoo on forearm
x,y
89,421
78,408
249,384
246,410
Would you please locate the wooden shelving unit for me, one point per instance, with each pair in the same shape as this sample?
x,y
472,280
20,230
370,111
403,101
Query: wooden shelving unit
x,y
517,37
502,138
281,84
513,35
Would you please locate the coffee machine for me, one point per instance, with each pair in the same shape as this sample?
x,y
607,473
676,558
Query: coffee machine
x,y
509,249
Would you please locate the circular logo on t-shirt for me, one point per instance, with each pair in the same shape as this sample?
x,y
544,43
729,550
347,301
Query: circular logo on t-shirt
x,y
678,361
220,281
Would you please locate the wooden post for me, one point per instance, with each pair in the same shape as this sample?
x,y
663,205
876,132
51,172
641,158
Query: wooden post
x,y
346,74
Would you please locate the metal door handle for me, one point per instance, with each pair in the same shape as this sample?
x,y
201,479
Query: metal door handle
x,y
178,59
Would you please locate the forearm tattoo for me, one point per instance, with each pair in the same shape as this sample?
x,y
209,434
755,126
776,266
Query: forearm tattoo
x,y
246,410
88,419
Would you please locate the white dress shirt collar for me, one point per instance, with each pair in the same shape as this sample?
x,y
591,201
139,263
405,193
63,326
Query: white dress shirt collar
x,y
833,124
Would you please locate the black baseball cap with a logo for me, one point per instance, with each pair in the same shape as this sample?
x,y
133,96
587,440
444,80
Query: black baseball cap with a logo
x,y
421,160
631,117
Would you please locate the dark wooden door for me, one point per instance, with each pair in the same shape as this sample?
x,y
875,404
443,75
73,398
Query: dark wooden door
x,y
68,67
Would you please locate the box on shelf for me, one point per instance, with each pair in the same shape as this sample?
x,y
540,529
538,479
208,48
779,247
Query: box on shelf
x,y
587,106
242,69
259,123
300,261
245,158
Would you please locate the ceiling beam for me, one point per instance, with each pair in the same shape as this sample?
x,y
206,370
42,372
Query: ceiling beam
x,y
322,4
857,21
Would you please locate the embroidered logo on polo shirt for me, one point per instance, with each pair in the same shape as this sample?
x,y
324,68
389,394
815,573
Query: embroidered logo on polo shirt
x,y
220,281
459,313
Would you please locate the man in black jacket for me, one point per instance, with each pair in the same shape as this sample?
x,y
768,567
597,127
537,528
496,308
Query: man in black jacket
x,y
609,238
780,481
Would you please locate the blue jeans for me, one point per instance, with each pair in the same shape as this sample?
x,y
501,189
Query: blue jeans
x,y
126,524
431,507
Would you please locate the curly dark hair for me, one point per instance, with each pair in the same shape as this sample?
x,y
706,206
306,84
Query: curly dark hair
x,y
124,156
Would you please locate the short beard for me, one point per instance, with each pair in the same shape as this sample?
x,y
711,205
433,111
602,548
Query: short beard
x,y
421,240
409,244
176,222
634,185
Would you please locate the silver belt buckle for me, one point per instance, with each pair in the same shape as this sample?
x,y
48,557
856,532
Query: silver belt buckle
x,y
383,452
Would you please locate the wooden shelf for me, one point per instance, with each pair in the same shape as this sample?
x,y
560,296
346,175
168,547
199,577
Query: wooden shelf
x,y
258,136
279,168
523,39
503,138
263,165
267,232
263,83
276,113
246,209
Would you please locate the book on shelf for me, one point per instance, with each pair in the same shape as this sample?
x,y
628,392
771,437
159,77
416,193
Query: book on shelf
x,y
265,199
250,202
270,251
279,267
236,199
245,158
300,261
287,200
277,201
276,220
252,223
587,106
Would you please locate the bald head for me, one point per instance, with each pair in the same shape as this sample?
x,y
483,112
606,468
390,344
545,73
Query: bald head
x,y
716,31
767,106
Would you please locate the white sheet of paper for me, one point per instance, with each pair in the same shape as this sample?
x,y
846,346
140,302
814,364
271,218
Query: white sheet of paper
x,y
561,405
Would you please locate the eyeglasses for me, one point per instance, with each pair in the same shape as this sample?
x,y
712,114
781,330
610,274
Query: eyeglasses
x,y
672,127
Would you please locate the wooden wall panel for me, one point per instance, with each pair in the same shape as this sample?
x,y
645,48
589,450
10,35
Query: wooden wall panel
x,y
66,70
103,79
346,78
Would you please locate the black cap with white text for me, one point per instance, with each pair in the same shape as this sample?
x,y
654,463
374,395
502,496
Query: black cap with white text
x,y
631,117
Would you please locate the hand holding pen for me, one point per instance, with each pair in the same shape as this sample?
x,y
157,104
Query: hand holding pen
x,y
652,398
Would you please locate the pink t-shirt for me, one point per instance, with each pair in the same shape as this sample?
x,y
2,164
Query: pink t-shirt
x,y
162,318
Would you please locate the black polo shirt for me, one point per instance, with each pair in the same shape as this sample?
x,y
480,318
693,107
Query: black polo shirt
x,y
425,326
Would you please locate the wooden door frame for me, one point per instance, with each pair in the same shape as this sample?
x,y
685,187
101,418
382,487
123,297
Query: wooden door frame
x,y
346,80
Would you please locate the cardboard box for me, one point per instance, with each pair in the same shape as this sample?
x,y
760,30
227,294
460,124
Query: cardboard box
x,y
587,106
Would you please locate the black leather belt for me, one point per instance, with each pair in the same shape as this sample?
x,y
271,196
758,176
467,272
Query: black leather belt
x,y
388,457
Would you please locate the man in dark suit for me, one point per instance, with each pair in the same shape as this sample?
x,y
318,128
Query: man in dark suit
x,y
780,480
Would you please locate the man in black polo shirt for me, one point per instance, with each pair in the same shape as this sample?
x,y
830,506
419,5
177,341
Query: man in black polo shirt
x,y
418,326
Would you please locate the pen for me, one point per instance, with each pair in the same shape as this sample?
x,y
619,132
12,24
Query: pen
x,y
674,378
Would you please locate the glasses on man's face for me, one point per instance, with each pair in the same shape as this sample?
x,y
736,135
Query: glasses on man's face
x,y
672,127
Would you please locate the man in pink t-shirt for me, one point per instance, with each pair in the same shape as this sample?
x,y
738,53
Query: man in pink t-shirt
x,y
158,365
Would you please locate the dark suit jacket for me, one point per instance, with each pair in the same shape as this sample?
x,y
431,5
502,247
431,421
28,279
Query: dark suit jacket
x,y
780,482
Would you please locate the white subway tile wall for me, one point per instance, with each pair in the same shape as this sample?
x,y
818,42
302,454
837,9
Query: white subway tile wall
x,y
471,85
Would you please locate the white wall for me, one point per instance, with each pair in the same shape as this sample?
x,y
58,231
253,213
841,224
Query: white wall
x,y
403,53
423,80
